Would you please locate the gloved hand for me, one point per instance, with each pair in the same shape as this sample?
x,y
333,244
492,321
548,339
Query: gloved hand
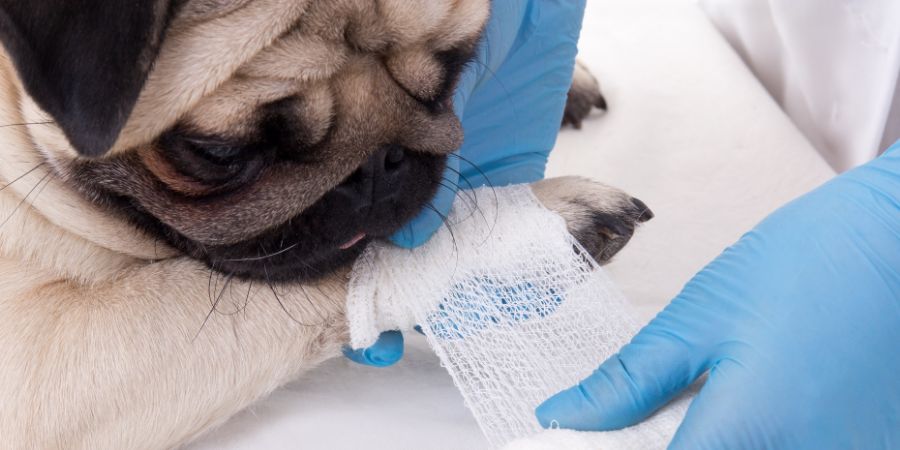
x,y
798,324
511,101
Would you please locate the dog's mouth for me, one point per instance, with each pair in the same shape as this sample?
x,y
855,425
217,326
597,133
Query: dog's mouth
x,y
374,202
334,230
355,240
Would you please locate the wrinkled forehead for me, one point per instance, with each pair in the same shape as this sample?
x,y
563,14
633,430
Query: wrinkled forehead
x,y
219,53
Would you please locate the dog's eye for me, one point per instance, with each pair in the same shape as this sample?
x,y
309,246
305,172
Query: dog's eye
x,y
215,152
219,154
217,164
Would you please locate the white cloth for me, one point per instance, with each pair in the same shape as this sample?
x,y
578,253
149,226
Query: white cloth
x,y
833,66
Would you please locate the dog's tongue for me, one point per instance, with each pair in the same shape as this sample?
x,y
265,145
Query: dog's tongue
x,y
353,241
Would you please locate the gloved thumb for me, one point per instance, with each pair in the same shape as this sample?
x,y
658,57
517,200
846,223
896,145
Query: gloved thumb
x,y
662,360
419,230
385,352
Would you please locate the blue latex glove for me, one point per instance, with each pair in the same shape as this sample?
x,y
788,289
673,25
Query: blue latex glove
x,y
511,101
798,324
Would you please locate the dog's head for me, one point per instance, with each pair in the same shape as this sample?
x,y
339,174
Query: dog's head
x,y
268,138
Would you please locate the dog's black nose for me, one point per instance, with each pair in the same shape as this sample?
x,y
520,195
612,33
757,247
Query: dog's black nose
x,y
378,179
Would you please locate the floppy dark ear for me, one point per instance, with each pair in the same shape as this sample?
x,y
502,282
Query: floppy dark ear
x,y
84,61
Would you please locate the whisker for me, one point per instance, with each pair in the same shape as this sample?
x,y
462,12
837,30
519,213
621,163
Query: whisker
x,y
215,289
465,179
215,304
305,293
476,167
446,222
247,299
41,189
209,291
493,191
36,195
281,303
226,287
22,176
457,187
467,197
310,267
453,187
243,307
25,124
471,198
478,208
19,205
261,258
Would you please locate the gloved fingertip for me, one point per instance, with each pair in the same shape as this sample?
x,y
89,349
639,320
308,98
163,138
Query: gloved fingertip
x,y
387,351
355,355
569,409
406,237
611,397
421,228
546,412
382,359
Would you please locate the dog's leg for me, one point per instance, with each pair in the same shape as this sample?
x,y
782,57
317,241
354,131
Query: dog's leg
x,y
136,362
584,96
600,217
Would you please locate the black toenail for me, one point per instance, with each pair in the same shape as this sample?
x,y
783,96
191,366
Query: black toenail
x,y
646,213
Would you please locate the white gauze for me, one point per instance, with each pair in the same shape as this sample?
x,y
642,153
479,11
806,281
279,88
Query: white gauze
x,y
514,307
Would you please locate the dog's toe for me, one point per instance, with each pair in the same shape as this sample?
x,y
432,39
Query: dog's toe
x,y
602,218
583,97
645,212
609,230
600,103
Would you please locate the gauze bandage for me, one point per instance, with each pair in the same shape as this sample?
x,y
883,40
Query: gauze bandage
x,y
511,303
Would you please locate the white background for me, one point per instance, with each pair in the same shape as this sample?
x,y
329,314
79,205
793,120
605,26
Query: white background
x,y
832,64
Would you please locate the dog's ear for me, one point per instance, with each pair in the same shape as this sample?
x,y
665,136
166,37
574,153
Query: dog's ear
x,y
84,61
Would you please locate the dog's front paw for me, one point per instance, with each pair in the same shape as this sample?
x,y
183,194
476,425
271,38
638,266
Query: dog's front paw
x,y
584,96
600,217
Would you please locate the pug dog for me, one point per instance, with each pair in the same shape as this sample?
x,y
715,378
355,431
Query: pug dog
x,y
184,183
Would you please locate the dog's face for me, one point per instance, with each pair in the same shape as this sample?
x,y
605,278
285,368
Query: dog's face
x,y
268,138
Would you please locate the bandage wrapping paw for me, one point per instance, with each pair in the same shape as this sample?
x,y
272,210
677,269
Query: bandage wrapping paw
x,y
513,306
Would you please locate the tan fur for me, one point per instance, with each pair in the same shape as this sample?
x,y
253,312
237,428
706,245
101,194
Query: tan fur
x,y
106,335
104,349
584,81
57,203
584,96
101,334
568,196
128,359
220,64
197,59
